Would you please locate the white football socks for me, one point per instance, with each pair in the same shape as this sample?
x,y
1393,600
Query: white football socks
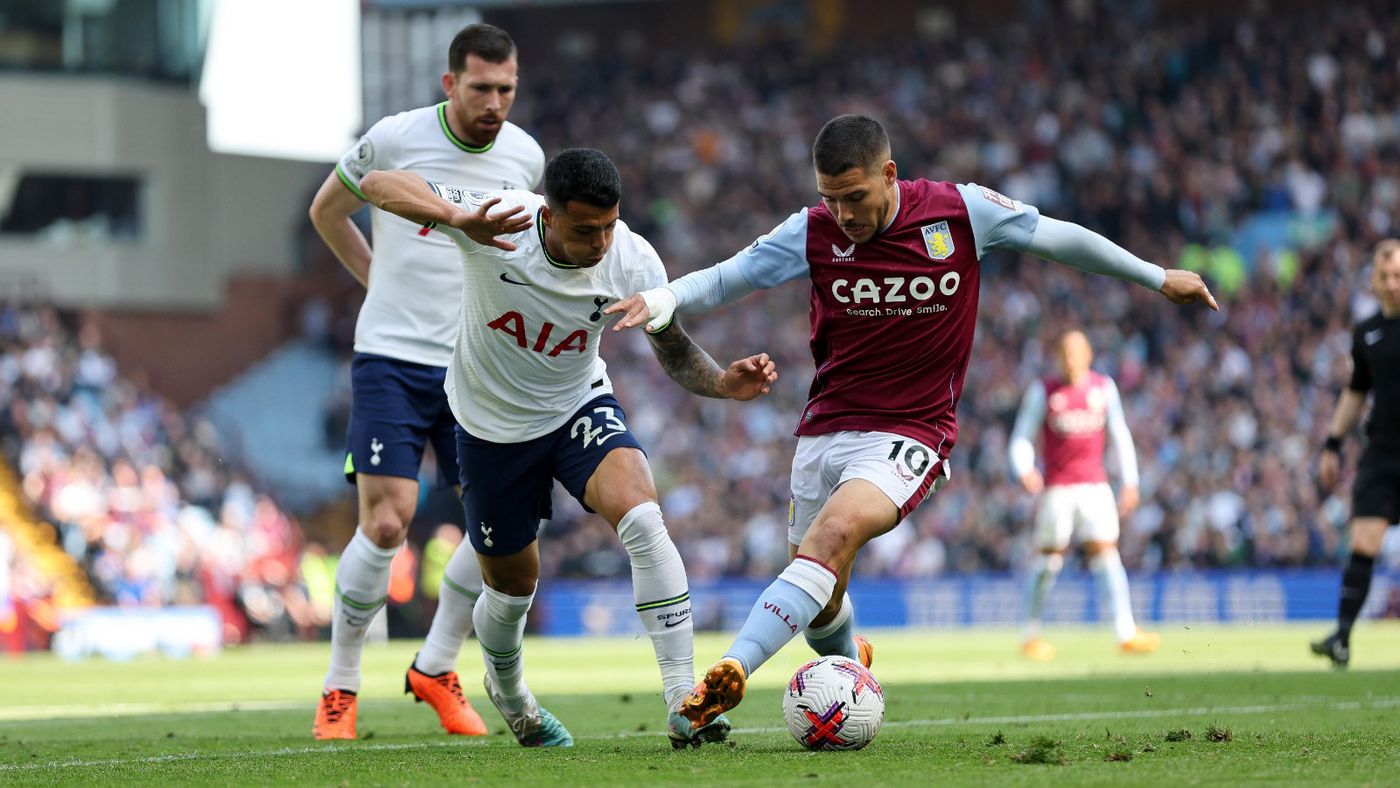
x,y
662,595
452,623
1044,569
500,629
361,587
1112,581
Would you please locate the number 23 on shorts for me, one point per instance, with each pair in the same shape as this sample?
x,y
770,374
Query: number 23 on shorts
x,y
610,423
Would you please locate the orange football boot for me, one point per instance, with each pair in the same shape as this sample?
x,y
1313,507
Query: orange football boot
x,y
866,650
444,693
335,716
1141,643
720,690
1038,650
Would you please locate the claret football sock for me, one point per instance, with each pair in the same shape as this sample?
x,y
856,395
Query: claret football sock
x,y
361,587
461,586
783,609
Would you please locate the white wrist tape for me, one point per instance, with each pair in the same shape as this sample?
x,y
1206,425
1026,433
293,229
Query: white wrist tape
x,y
661,303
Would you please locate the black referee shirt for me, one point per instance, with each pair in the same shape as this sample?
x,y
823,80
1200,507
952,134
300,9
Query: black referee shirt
x,y
1375,356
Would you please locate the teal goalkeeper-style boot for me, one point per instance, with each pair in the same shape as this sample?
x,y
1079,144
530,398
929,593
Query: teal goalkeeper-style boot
x,y
533,726
547,731
682,735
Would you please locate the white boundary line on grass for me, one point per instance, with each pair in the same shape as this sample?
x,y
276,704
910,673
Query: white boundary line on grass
x,y
1196,711
71,710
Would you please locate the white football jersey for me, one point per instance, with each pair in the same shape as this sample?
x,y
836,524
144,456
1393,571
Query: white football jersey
x,y
410,309
527,344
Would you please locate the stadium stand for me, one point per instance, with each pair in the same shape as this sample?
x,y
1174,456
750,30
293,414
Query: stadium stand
x,y
139,492
284,432
1215,145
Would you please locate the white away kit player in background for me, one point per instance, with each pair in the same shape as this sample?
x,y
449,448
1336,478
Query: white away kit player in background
x,y
403,344
534,404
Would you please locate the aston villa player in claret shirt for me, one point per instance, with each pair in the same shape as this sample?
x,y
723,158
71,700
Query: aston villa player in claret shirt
x,y
1075,414
894,271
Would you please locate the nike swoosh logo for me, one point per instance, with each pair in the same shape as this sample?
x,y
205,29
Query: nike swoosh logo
x,y
1372,337
677,622
506,278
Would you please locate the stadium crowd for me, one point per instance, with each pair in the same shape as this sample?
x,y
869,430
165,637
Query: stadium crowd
x,y
140,490
1168,141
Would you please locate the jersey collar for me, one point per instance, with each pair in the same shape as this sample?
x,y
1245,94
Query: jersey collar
x,y
898,199
460,143
544,247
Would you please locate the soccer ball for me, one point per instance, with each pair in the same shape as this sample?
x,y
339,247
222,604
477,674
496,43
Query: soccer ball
x,y
834,703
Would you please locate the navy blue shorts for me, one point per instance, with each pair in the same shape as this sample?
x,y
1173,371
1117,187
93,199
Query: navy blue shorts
x,y
397,408
506,486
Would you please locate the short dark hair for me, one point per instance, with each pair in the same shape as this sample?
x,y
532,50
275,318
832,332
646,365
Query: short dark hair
x,y
582,174
488,42
849,141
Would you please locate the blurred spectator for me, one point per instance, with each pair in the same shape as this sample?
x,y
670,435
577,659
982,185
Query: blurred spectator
x,y
1172,138
1182,139
140,490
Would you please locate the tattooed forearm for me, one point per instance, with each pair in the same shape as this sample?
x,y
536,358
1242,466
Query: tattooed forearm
x,y
686,362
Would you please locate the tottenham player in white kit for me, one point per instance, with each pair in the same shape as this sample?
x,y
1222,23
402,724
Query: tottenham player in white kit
x,y
403,345
1073,414
534,403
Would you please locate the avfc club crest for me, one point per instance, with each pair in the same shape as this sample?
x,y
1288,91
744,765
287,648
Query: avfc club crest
x,y
938,240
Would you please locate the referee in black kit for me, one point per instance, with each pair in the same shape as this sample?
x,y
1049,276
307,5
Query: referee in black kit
x,y
1375,502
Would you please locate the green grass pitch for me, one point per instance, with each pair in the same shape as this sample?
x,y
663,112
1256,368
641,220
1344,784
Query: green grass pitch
x,y
1215,706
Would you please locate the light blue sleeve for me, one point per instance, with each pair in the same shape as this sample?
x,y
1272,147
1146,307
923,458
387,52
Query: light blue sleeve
x,y
1121,438
1028,419
1082,248
775,258
998,222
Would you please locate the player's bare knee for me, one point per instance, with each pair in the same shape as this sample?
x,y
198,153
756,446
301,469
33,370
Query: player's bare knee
x,y
622,483
514,586
1367,534
1092,549
832,540
386,529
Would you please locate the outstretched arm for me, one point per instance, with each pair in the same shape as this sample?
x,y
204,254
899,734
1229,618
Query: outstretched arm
x,y
689,365
999,222
405,194
1082,248
780,256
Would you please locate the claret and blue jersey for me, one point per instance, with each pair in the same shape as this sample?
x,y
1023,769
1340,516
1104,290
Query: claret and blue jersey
x,y
893,318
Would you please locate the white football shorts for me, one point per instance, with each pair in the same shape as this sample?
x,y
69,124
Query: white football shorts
x,y
905,470
1085,511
